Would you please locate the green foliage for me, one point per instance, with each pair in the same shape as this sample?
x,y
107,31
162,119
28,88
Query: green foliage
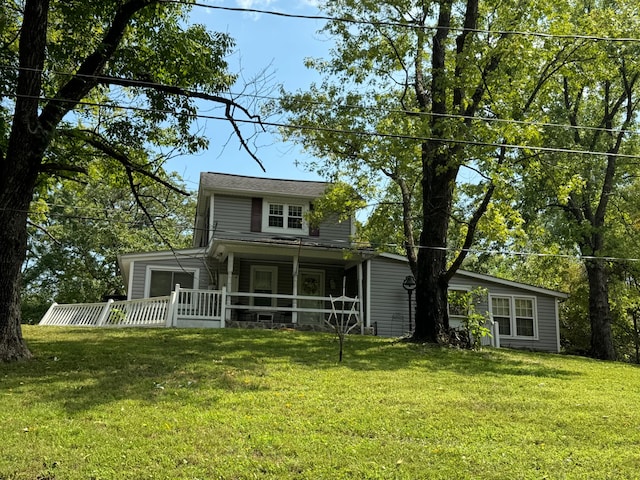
x,y
81,226
103,129
161,403
474,322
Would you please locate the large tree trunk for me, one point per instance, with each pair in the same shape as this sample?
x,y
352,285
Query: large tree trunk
x,y
13,244
599,311
438,181
19,167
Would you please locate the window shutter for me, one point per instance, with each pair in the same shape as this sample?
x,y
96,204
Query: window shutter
x,y
314,231
256,214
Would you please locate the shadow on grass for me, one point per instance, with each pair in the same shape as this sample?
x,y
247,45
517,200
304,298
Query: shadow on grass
x,y
82,368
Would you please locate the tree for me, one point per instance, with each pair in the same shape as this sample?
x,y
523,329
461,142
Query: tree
x,y
81,228
112,79
597,96
416,94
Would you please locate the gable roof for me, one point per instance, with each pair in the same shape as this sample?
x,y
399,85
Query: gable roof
x,y
240,184
489,278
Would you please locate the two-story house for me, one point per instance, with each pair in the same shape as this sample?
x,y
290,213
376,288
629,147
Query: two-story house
x,y
252,238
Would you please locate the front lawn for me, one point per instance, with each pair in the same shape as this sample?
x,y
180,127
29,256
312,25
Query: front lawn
x,y
244,404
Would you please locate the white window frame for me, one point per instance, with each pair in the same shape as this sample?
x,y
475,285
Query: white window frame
x,y
512,314
267,202
274,279
161,268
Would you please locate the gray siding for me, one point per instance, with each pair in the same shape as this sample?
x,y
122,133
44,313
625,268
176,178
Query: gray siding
x,y
232,215
390,306
389,300
232,219
545,308
334,232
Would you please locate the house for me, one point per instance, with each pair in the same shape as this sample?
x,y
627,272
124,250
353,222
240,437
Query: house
x,y
252,239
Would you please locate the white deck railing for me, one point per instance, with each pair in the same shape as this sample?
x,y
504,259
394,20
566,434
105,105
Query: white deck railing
x,y
191,307
147,312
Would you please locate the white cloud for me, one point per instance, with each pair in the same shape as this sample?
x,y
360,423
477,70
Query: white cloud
x,y
257,4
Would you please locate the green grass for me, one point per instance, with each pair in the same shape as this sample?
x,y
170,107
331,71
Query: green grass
x,y
242,404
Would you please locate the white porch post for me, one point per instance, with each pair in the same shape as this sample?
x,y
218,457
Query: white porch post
x,y
230,260
223,307
105,313
294,303
172,309
360,296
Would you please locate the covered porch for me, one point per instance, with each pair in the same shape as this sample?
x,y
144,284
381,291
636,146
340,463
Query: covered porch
x,y
286,282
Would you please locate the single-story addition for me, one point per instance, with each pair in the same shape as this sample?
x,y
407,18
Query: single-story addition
x,y
252,242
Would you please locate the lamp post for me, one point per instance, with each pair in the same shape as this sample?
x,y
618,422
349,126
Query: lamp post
x,y
409,284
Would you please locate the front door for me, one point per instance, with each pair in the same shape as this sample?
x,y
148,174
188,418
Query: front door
x,y
311,283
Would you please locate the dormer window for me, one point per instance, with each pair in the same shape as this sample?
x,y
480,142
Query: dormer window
x,y
283,217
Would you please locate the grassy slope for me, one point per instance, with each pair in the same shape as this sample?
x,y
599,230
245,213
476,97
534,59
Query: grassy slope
x,y
187,404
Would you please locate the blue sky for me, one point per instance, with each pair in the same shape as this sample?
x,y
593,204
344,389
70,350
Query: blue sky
x,y
277,44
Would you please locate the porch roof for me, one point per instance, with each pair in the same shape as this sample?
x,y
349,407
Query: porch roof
x,y
287,248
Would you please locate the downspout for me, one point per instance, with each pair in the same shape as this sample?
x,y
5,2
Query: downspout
x,y
132,269
211,221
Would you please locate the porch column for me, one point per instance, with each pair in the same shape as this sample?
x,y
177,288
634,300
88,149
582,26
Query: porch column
x,y
229,282
294,303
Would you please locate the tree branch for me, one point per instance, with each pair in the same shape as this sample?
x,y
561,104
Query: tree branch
x,y
100,143
86,78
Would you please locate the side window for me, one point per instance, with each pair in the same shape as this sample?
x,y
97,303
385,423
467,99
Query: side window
x,y
524,317
515,315
501,310
162,282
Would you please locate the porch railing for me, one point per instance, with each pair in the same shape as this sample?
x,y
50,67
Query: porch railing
x,y
181,305
147,312
192,307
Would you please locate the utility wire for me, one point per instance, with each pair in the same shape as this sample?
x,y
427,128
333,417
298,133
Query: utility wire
x,y
407,24
349,132
369,108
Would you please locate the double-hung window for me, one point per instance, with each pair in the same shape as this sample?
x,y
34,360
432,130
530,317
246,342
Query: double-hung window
x,y
516,316
284,217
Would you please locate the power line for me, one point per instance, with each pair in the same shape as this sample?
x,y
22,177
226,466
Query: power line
x,y
264,123
408,25
235,95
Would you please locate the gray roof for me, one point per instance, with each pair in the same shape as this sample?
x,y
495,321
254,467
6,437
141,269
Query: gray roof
x,y
228,183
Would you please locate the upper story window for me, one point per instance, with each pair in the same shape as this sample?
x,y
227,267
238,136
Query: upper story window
x,y
287,218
